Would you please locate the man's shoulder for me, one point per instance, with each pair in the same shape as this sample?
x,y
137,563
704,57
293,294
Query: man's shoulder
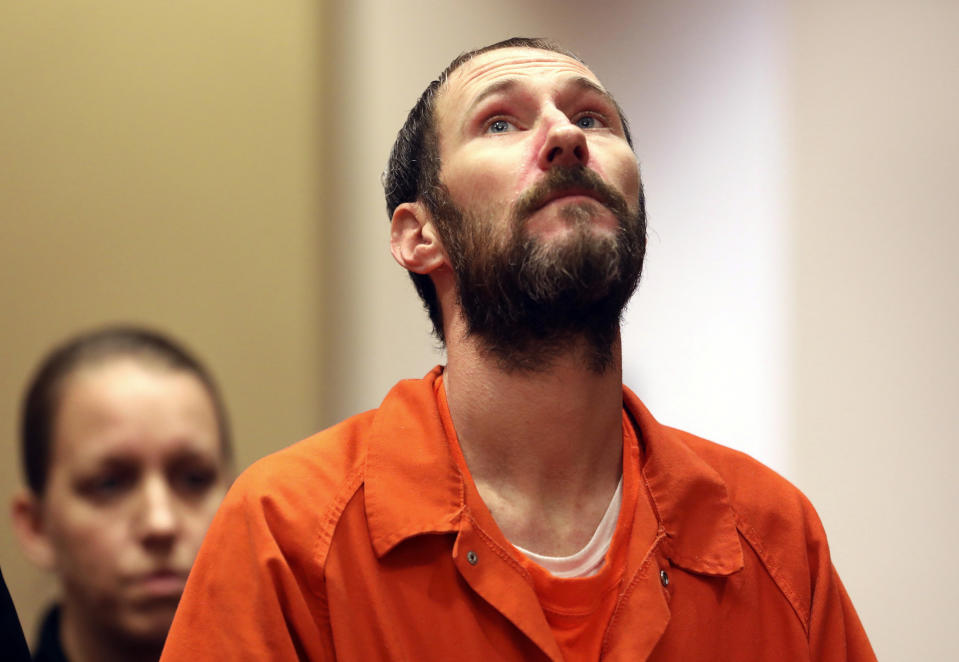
x,y
752,486
306,487
296,495
721,501
757,494
772,516
318,463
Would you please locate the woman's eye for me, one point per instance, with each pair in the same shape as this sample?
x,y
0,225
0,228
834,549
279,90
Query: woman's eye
x,y
499,126
193,480
106,486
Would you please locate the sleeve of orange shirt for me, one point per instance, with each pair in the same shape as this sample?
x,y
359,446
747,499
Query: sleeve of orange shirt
x,y
784,530
789,537
835,632
250,595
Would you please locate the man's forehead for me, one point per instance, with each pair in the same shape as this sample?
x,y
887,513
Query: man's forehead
x,y
487,69
514,62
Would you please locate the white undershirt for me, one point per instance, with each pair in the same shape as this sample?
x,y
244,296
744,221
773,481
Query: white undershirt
x,y
587,561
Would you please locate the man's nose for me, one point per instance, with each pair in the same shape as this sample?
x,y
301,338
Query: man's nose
x,y
158,513
565,145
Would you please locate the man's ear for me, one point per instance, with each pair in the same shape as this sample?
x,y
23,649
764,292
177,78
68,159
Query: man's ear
x,y
414,241
28,525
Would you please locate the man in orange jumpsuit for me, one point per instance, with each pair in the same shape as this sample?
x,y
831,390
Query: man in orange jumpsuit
x,y
519,503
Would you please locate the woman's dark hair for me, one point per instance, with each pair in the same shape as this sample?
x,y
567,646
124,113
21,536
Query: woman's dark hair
x,y
43,395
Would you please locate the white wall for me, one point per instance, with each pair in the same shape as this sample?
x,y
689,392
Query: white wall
x,y
800,296
704,340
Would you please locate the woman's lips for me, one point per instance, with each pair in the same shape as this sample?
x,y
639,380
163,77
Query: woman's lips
x,y
161,584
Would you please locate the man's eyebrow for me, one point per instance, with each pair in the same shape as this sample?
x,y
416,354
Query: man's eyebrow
x,y
582,83
587,85
498,87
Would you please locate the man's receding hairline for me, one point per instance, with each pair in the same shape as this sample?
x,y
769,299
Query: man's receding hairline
x,y
449,73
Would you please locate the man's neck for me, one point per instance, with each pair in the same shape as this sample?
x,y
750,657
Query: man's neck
x,y
544,448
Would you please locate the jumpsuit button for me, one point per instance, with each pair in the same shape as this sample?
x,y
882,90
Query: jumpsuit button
x,y
663,578
471,557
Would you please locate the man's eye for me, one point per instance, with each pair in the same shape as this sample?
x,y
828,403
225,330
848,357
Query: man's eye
x,y
499,126
587,122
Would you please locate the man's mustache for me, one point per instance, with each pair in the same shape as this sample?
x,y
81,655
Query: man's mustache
x,y
568,178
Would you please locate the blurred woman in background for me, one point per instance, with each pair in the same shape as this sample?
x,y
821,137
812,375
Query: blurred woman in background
x,y
126,453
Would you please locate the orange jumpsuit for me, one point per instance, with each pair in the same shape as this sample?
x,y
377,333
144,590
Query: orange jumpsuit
x,y
367,542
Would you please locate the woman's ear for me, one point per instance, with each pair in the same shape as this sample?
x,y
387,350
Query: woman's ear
x,y
28,525
414,241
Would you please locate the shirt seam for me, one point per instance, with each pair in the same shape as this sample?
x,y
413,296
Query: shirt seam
x,y
624,597
572,612
497,549
332,516
773,569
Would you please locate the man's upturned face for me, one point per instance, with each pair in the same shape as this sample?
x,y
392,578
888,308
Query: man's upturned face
x,y
542,218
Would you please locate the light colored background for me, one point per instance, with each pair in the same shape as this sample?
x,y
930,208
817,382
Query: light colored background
x,y
213,168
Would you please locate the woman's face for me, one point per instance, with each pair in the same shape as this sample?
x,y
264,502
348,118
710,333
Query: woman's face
x,y
137,471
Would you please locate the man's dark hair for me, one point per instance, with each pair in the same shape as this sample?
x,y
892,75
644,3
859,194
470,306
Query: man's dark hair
x,y
45,391
413,170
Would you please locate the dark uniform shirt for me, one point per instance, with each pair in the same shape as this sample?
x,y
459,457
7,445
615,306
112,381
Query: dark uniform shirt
x,y
48,647
13,646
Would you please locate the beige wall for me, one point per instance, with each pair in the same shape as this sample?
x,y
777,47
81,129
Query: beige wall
x,y
161,164
876,306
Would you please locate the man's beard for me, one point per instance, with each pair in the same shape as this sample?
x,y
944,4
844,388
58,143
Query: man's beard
x,y
529,299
